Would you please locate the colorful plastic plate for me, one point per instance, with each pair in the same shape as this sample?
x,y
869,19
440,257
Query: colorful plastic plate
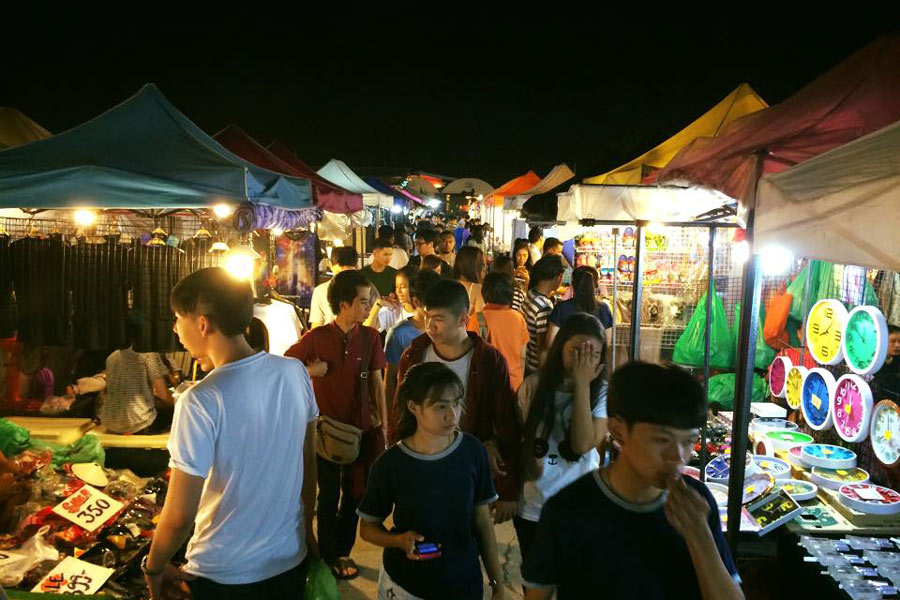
x,y
777,468
852,408
834,479
818,389
793,389
778,372
798,489
885,436
870,498
756,486
865,342
828,456
784,439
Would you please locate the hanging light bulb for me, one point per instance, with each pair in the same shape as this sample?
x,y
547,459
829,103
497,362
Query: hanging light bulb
x,y
85,217
240,260
277,231
222,210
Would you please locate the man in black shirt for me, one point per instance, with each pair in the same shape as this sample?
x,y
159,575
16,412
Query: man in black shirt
x,y
887,379
426,239
638,528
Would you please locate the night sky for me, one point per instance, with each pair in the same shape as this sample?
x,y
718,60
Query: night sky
x,y
432,95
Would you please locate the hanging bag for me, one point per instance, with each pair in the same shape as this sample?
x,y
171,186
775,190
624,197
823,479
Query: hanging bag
x,y
775,326
690,347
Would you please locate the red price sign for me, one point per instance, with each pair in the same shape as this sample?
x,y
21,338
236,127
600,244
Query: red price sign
x,y
88,508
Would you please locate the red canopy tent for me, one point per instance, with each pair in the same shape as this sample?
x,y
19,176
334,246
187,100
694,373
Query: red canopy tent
x,y
326,195
858,96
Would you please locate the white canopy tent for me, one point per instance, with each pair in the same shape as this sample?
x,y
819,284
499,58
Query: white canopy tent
x,y
468,185
842,206
629,203
555,178
338,173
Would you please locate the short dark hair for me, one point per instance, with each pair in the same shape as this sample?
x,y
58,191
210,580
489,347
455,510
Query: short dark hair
x,y
893,329
469,264
448,233
343,288
503,264
549,267
450,295
382,243
424,383
641,392
345,256
422,284
433,262
429,236
535,234
212,292
386,231
497,288
550,244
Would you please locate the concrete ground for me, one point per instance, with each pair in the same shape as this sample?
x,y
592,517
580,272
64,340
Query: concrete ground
x,y
368,557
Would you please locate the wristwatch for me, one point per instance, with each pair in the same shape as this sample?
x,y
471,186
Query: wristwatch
x,y
493,583
146,571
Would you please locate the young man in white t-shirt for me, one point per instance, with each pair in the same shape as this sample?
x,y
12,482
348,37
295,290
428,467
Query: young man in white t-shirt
x,y
243,457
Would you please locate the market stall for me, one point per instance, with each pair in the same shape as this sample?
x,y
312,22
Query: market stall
x,y
496,202
112,214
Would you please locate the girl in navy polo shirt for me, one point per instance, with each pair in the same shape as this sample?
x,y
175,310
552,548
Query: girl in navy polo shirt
x,y
437,484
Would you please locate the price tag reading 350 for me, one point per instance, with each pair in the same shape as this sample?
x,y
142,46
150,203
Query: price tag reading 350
x,y
88,508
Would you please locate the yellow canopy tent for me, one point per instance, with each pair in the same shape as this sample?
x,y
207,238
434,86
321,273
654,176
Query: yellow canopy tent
x,y
742,101
17,129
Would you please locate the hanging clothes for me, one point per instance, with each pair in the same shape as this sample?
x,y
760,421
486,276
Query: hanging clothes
x,y
38,274
155,271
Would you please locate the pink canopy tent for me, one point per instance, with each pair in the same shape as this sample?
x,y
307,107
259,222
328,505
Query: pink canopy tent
x,y
858,96
326,195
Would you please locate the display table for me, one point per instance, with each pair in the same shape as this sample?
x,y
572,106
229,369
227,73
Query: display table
x,y
52,429
145,455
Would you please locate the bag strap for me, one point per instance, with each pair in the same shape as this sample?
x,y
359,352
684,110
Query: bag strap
x,y
362,390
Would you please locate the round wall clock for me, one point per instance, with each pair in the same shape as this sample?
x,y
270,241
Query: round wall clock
x,y
719,469
828,456
793,387
834,479
760,425
885,436
764,447
784,440
852,408
869,498
795,455
798,489
825,331
719,493
865,343
778,372
777,468
818,389
756,486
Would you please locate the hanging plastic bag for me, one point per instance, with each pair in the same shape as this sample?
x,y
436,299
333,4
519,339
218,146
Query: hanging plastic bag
x,y
320,583
36,550
689,349
797,289
721,390
764,355
13,438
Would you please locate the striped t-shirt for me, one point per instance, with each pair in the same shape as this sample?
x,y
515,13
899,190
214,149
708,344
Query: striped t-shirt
x,y
128,406
537,311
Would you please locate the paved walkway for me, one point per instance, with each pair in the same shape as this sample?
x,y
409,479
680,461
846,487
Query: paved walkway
x,y
368,557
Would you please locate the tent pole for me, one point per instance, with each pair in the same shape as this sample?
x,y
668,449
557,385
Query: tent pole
x,y
615,295
637,291
743,381
708,327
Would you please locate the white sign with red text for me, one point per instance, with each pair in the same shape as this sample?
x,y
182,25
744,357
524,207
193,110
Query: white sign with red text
x,y
73,576
88,508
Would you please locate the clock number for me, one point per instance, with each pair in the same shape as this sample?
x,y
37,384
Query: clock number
x,y
815,328
829,312
825,351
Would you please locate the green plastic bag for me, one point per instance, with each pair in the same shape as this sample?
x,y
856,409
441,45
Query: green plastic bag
x,y
797,288
13,439
764,354
320,583
689,348
85,450
721,390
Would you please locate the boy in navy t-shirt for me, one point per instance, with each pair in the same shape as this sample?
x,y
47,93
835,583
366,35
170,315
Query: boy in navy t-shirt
x,y
637,528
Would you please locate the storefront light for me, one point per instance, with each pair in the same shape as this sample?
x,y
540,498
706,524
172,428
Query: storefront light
x,y
396,209
277,231
239,262
222,210
84,217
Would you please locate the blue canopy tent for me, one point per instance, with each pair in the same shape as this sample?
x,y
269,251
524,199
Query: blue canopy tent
x,y
384,188
141,154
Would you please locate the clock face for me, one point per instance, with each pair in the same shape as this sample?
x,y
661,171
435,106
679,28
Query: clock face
x,y
785,440
885,436
828,456
852,408
825,330
757,486
793,388
865,342
776,467
835,478
798,489
778,373
869,498
818,388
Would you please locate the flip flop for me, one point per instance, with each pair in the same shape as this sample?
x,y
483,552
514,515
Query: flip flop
x,y
342,567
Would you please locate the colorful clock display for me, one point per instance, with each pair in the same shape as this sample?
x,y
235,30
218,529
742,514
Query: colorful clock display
x,y
778,372
798,489
795,455
834,479
761,425
818,388
757,486
885,435
869,498
828,456
784,440
865,344
793,388
852,408
777,468
718,469
825,331
719,493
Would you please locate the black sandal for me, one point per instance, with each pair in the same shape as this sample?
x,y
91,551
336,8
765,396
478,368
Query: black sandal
x,y
342,567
